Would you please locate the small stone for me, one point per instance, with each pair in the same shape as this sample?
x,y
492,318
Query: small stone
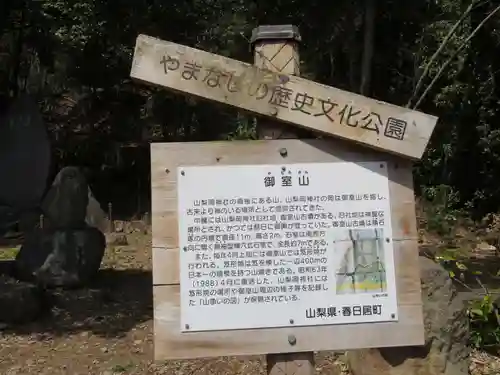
x,y
119,226
483,246
137,342
138,226
104,350
116,239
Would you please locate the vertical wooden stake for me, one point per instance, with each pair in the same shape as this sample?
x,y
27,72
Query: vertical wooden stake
x,y
276,49
110,217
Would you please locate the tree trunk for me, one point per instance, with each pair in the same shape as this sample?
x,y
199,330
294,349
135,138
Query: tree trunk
x,y
366,67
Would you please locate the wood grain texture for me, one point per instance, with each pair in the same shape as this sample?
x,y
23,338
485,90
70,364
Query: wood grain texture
x,y
281,57
280,96
277,56
167,156
170,343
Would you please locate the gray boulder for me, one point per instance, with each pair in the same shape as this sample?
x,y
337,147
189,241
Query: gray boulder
x,y
95,215
446,350
69,203
68,250
8,217
20,302
24,155
61,258
65,204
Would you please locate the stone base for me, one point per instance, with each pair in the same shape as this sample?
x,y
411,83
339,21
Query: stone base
x,y
20,302
446,329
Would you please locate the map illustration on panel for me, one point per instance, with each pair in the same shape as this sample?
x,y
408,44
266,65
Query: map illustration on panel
x,y
361,257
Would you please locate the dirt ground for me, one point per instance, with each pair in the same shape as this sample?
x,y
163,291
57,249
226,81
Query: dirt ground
x,y
106,329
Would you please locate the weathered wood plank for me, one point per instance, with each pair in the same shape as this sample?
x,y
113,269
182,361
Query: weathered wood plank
x,y
283,97
168,156
170,343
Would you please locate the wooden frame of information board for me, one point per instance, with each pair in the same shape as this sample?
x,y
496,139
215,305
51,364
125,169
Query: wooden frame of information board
x,y
171,343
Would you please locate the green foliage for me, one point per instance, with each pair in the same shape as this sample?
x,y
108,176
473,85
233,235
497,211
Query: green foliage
x,y
8,253
483,313
484,323
245,129
76,57
441,214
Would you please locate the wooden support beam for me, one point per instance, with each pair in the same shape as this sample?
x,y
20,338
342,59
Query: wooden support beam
x,y
181,329
280,95
276,48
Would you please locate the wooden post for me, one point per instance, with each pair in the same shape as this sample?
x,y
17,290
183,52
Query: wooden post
x,y
395,319
276,49
110,217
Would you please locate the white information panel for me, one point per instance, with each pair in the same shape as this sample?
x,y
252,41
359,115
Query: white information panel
x,y
266,246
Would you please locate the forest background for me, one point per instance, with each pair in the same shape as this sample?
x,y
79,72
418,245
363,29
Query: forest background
x,y
76,58
441,57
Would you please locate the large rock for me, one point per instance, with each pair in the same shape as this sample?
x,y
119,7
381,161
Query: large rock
x,y
24,155
61,258
65,204
20,302
68,250
95,216
8,217
69,203
447,334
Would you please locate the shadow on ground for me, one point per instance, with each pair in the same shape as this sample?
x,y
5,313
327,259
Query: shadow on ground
x,y
116,302
6,266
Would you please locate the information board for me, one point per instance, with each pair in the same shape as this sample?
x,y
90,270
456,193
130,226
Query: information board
x,y
265,246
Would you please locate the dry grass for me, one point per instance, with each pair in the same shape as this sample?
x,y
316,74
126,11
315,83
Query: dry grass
x,y
484,364
8,253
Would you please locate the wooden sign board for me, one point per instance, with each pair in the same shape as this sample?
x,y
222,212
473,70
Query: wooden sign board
x,y
285,98
265,247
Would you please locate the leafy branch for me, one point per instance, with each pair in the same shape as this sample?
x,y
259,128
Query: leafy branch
x,y
452,57
445,41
